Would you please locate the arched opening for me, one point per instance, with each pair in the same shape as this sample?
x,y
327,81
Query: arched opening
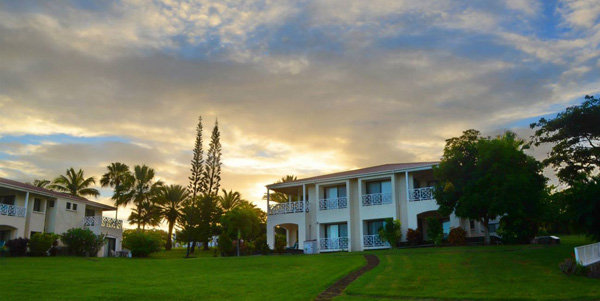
x,y
7,233
291,234
422,222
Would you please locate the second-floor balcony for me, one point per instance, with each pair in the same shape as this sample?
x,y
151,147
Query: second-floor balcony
x,y
333,203
12,210
102,221
421,194
289,207
375,199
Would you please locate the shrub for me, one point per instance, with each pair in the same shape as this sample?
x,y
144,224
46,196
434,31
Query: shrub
x,y
567,266
17,246
413,236
391,232
457,236
514,230
225,245
143,243
435,232
280,243
83,242
40,243
261,245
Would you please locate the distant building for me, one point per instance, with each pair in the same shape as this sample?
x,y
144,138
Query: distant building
x,y
344,211
26,210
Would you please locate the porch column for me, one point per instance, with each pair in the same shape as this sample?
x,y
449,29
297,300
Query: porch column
x,y
27,215
304,197
268,200
26,201
407,192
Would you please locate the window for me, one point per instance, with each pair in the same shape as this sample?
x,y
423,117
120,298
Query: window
x,y
335,192
472,224
336,230
90,212
74,207
37,205
7,199
51,203
68,206
374,226
379,187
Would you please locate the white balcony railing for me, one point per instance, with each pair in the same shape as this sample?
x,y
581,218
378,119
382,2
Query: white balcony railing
x,y
375,199
333,203
588,254
333,244
12,210
374,241
285,208
421,194
103,221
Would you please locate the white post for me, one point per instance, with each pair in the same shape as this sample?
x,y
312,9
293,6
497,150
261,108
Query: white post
x,y
407,193
268,200
26,201
304,197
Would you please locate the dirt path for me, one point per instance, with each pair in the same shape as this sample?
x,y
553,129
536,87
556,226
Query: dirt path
x,y
337,288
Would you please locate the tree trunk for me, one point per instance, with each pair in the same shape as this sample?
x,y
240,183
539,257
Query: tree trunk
x,y
169,244
193,246
486,231
206,245
238,242
139,210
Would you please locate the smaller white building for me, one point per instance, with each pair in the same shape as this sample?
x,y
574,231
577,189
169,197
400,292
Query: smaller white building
x,y
26,210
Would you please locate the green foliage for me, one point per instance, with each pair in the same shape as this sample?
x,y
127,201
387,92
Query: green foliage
x,y
225,245
280,197
457,236
574,135
83,242
261,245
484,178
570,267
75,183
435,231
17,247
40,243
280,243
583,205
142,192
517,230
212,170
391,232
143,243
209,217
413,236
242,219
170,200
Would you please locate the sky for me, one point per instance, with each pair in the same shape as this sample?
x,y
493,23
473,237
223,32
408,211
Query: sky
x,y
298,87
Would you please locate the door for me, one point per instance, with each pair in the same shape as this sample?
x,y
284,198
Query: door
x,y
110,245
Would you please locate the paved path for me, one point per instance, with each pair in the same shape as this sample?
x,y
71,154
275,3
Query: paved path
x,y
337,288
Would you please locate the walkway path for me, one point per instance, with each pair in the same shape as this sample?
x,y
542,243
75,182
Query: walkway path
x,y
337,288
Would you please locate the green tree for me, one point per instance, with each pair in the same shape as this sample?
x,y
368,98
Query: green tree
x,y
391,232
188,222
210,213
75,183
279,197
242,222
40,183
171,200
117,176
583,199
212,170
435,231
229,200
484,178
143,190
575,138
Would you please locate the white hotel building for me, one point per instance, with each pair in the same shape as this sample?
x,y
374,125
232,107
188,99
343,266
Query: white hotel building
x,y
26,210
343,211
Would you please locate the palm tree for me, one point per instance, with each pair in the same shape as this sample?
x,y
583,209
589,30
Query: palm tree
x,y
147,213
229,200
171,200
279,197
118,176
142,191
75,183
40,183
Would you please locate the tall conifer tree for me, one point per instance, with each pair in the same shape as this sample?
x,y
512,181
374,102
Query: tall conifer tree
x,y
196,179
212,171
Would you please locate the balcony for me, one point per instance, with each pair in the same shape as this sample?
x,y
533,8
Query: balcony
x,y
375,199
374,241
421,194
333,203
286,208
102,221
12,210
333,244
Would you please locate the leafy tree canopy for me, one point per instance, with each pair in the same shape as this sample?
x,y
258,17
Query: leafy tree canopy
x,y
575,136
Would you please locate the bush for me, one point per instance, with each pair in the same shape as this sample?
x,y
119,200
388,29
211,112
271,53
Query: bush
x,y
435,232
570,267
280,243
83,242
17,246
40,243
225,245
391,232
413,236
514,230
457,236
143,243
261,245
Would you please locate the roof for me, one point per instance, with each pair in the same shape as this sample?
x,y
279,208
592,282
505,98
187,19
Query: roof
x,y
51,193
386,168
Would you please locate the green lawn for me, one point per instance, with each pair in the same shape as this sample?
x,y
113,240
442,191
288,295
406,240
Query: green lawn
x,y
493,272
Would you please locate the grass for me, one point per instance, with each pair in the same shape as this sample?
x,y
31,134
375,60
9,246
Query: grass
x,y
286,277
492,272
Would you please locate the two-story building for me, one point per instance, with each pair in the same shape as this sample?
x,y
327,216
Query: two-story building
x,y
344,211
26,210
